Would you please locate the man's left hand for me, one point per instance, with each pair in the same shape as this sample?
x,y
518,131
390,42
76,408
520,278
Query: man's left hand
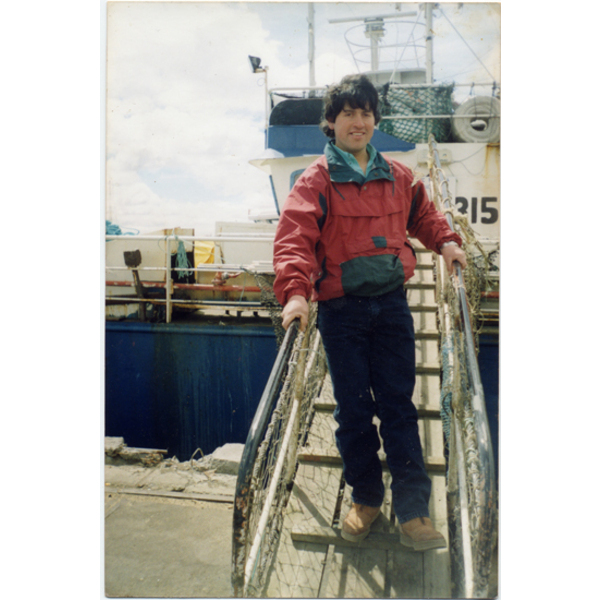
x,y
454,253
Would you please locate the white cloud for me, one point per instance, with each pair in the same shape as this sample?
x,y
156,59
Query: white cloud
x,y
181,98
185,114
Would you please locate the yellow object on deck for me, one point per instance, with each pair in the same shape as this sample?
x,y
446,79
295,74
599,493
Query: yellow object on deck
x,y
204,254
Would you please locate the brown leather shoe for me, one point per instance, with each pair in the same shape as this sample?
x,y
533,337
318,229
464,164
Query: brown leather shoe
x,y
358,521
419,534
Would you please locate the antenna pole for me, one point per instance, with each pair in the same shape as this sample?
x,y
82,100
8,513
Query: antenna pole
x,y
429,42
374,31
311,45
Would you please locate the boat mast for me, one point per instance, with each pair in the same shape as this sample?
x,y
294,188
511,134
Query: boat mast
x,y
311,45
429,42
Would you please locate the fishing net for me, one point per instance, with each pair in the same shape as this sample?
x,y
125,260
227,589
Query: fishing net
x,y
472,515
475,278
276,460
471,486
413,103
270,303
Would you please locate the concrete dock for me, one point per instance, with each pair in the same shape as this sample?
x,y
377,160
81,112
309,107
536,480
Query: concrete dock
x,y
168,528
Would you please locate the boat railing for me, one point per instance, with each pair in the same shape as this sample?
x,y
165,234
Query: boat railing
x,y
160,277
471,475
269,460
491,88
456,112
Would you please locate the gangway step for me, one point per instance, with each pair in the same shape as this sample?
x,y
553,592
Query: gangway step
x,y
425,412
427,334
313,561
376,540
432,463
420,285
428,369
422,307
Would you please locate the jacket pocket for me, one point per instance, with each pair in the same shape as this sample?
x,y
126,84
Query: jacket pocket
x,y
372,275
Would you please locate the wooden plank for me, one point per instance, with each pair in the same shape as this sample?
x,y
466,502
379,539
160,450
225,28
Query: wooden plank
x,y
428,369
409,285
312,558
297,567
404,569
427,352
427,386
323,406
434,436
416,307
326,395
422,334
389,528
327,568
357,571
333,535
422,436
423,276
437,582
427,390
432,463
321,439
421,293
424,320
425,411
406,574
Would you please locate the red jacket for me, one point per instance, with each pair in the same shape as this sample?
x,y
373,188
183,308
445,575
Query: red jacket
x,y
343,233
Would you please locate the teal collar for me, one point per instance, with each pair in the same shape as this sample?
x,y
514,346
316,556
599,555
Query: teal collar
x,y
351,160
342,170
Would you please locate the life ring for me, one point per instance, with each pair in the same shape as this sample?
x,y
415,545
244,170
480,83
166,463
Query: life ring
x,y
477,120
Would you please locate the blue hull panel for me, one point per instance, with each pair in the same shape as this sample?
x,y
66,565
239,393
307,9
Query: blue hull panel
x,y
183,387
489,371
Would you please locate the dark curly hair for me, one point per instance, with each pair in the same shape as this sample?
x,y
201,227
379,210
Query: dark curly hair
x,y
357,91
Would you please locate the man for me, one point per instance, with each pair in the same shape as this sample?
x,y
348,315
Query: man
x,y
342,240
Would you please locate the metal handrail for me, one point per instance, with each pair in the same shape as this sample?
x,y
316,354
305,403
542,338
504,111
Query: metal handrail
x,y
168,284
495,85
260,422
487,488
449,116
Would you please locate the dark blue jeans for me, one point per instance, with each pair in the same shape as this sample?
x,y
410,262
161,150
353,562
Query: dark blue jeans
x,y
370,346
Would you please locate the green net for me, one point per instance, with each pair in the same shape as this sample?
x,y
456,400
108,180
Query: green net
x,y
416,102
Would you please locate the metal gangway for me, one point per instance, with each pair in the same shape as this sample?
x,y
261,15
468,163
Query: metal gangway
x,y
291,496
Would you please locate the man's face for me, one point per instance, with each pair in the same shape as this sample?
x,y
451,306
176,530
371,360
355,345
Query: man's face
x,y
353,129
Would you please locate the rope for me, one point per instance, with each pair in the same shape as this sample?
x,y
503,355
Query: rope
x,y
182,261
114,229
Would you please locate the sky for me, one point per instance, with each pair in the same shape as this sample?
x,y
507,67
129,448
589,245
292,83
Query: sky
x,y
185,114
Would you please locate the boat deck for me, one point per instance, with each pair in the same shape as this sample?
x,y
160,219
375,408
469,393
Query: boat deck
x,y
312,560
